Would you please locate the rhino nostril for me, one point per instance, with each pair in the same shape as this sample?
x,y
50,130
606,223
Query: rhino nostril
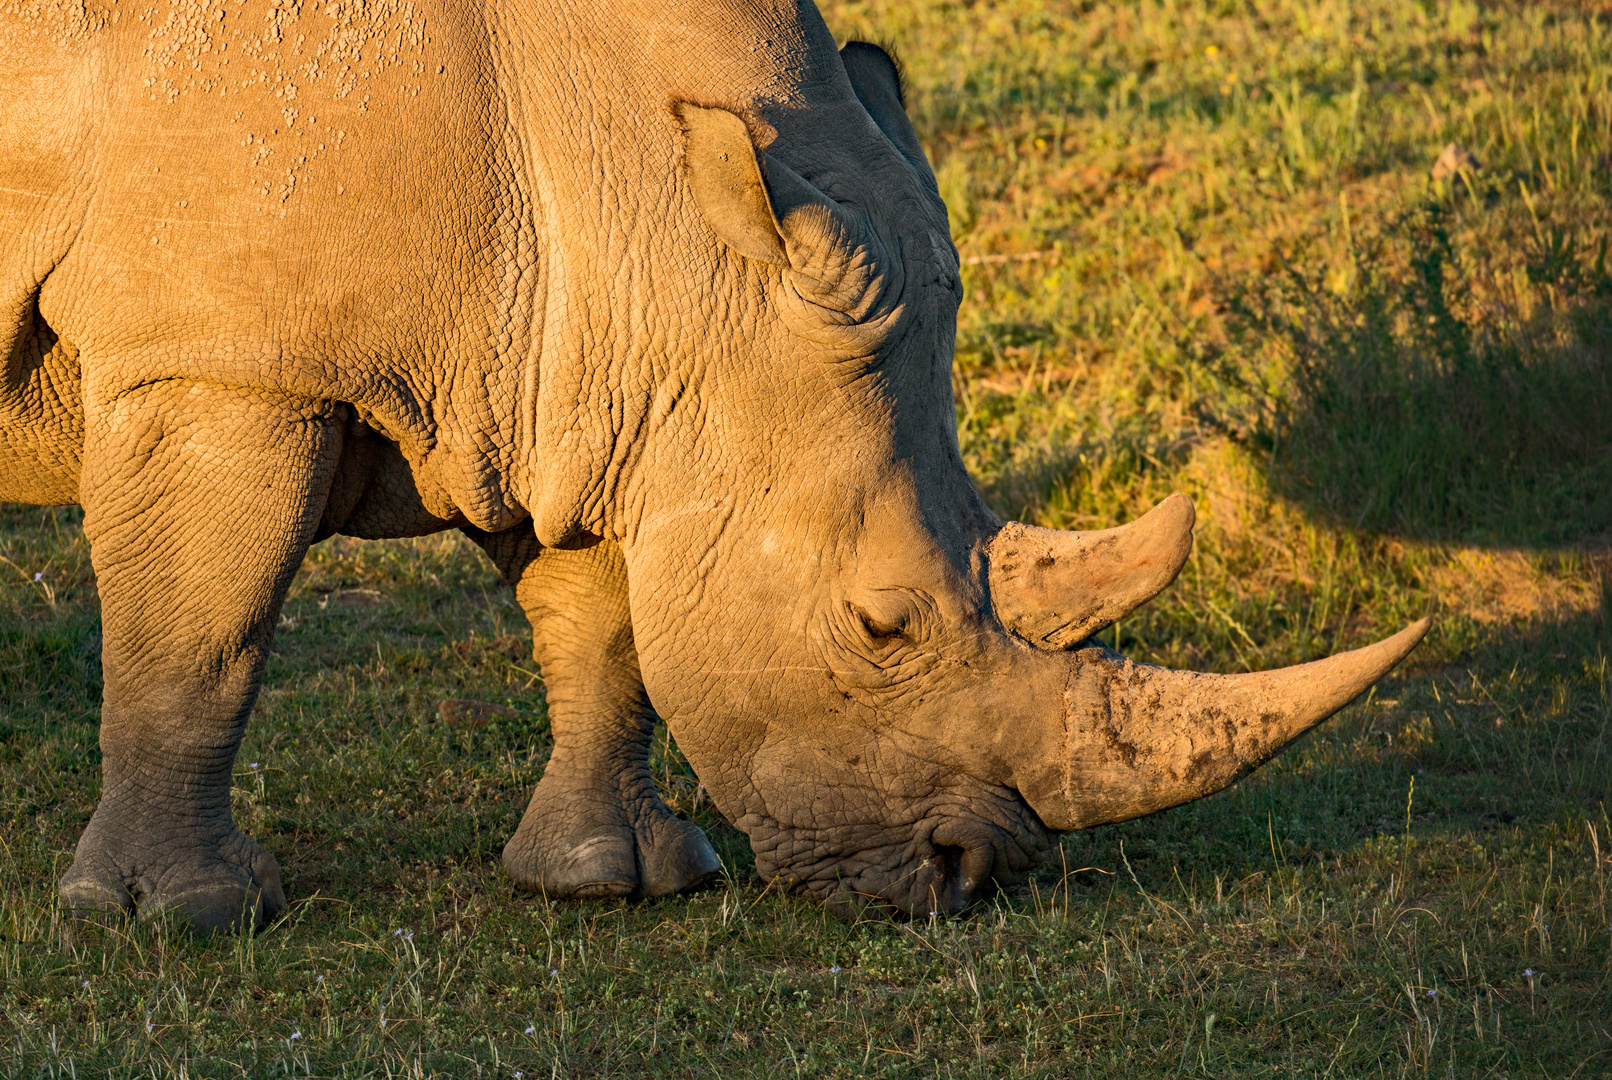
x,y
975,870
949,859
961,875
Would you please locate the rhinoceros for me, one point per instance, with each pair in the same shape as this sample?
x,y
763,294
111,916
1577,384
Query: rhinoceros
x,y
656,303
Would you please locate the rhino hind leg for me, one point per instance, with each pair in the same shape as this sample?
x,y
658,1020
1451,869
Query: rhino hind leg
x,y
193,549
595,828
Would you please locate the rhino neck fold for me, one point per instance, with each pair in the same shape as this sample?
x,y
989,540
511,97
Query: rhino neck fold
x,y
632,294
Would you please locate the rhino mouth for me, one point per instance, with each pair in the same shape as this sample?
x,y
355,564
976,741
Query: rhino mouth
x,y
959,863
939,864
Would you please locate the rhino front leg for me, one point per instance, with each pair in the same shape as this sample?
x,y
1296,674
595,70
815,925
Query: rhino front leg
x,y
596,827
199,503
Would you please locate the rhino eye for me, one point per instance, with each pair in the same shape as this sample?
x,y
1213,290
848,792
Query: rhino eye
x,y
880,628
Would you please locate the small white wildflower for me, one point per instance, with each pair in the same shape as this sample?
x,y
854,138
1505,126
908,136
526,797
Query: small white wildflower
x,y
86,984
833,971
409,936
554,973
519,1074
253,765
396,933
296,1035
1432,993
39,577
320,979
1528,973
531,1030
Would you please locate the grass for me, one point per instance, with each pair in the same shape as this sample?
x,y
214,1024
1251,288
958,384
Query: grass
x,y
1203,253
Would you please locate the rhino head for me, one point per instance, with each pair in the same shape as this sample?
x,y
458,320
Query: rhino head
x,y
898,697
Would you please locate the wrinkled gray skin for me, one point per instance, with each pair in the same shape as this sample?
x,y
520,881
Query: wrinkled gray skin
x,y
656,302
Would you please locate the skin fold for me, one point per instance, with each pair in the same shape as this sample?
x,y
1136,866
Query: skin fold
x,y
657,304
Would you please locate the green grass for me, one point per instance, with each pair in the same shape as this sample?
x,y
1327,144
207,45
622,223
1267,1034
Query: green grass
x,y
1388,397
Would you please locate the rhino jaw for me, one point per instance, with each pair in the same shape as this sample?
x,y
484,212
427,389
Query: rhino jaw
x,y
1135,739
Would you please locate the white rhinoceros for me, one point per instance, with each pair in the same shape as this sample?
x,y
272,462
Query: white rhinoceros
x,y
654,301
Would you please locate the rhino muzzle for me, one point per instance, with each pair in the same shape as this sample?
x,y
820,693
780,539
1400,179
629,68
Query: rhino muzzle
x,y
1038,732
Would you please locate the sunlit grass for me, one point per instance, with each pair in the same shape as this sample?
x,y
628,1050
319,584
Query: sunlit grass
x,y
1203,252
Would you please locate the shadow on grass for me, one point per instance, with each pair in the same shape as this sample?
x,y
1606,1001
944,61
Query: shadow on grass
x,y
1423,403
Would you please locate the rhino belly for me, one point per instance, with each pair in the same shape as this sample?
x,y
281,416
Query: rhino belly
x,y
378,494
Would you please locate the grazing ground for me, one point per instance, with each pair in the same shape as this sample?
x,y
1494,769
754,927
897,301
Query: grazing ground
x,y
1203,252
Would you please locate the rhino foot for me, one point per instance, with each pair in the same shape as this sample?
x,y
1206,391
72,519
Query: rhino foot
x,y
564,854
675,857
595,828
210,884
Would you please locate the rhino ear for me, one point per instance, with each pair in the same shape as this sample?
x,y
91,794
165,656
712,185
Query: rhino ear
x,y
762,209
726,174
876,78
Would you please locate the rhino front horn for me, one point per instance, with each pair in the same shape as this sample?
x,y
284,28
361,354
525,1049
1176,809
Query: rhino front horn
x,y
1056,589
1136,739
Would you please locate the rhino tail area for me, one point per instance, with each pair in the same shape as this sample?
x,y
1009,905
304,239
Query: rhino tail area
x,y
41,407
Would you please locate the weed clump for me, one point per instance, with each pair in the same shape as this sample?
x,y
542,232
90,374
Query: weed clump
x,y
1420,402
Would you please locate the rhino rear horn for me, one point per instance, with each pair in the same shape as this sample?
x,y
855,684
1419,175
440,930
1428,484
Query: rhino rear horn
x,y
1056,589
